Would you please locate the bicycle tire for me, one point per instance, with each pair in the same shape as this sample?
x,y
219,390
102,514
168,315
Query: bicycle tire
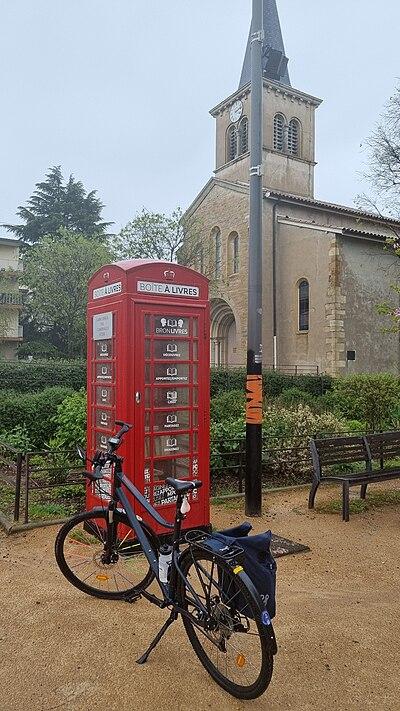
x,y
245,589
120,519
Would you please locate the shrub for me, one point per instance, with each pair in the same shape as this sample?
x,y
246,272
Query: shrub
x,y
27,377
292,397
33,412
18,438
274,382
70,422
286,435
230,404
225,379
371,398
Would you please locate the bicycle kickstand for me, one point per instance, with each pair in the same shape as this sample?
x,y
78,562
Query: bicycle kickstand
x,y
173,616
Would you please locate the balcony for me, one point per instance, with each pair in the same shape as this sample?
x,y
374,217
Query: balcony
x,y
11,299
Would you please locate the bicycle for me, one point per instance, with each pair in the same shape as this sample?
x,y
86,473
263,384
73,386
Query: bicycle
x,y
200,578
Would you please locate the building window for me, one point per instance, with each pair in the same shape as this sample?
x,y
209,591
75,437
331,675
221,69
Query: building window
x,y
279,132
294,137
304,305
244,135
233,253
216,235
201,260
231,143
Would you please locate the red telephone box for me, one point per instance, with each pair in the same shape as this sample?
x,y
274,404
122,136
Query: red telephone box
x,y
148,364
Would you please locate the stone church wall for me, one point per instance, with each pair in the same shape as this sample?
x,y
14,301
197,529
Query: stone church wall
x,y
367,274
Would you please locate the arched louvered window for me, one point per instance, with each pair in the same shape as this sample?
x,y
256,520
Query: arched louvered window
x,y
231,143
235,250
244,135
294,137
233,253
201,260
279,132
304,305
216,236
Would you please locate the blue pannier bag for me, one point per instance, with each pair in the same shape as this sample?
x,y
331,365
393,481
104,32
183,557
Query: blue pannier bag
x,y
259,563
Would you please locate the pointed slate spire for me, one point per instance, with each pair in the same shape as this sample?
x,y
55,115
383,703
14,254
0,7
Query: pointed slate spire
x,y
274,60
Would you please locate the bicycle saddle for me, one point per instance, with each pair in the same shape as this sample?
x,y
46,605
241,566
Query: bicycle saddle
x,y
181,486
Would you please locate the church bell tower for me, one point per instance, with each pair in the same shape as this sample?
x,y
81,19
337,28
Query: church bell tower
x,y
288,121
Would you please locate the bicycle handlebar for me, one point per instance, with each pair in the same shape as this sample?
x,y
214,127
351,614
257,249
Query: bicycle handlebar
x,y
124,429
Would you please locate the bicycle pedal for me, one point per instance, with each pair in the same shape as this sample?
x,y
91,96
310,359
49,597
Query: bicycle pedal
x,y
133,598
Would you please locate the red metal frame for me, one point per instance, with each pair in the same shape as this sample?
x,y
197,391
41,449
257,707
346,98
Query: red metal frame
x,y
148,364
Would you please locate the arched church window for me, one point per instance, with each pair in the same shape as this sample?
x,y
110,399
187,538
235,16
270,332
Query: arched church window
x,y
294,137
304,305
216,236
233,243
279,132
244,135
231,143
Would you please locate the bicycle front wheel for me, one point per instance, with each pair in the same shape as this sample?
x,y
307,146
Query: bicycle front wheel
x,y
80,550
231,640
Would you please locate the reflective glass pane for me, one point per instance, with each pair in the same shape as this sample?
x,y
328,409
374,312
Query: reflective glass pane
x,y
147,444
147,396
104,371
147,325
104,395
195,327
165,325
194,376
195,418
147,349
165,397
104,419
177,468
171,373
171,444
104,349
174,350
171,421
147,374
195,351
101,440
147,421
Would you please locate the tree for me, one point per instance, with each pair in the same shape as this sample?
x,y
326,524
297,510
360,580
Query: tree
x,y
153,235
383,149
56,272
56,205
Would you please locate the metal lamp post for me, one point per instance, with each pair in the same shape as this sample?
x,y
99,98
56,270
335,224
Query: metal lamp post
x,y
254,319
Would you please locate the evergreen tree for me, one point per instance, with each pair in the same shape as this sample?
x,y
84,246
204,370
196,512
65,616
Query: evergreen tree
x,y
55,205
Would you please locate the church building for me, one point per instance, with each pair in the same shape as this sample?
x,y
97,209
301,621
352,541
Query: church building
x,y
325,267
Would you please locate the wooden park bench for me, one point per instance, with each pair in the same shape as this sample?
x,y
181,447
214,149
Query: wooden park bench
x,y
374,452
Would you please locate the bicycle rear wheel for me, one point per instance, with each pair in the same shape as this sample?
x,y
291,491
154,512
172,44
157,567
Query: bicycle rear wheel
x,y
80,553
231,640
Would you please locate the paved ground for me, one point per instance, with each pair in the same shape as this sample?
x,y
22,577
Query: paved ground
x,y
338,626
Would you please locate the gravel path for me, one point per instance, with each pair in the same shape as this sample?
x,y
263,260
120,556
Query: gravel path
x,y
338,626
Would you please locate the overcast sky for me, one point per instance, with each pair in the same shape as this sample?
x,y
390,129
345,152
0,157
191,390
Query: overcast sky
x,y
118,91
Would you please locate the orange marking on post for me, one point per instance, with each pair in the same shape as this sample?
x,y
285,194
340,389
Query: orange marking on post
x,y
254,399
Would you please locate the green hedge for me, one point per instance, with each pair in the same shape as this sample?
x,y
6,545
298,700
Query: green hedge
x,y
25,377
274,382
34,412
